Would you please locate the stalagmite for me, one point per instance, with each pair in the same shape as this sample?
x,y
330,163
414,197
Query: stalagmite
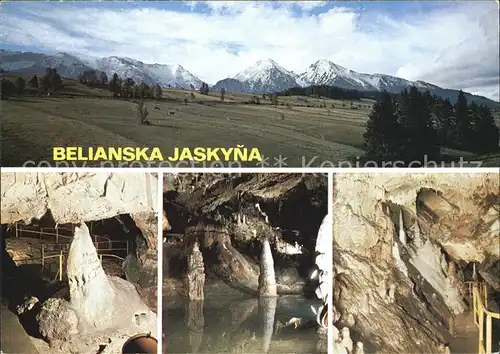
x,y
91,293
195,279
267,278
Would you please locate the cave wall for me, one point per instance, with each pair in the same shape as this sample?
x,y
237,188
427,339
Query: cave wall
x,y
80,196
397,281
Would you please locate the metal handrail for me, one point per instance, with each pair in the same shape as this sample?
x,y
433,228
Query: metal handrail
x,y
110,255
43,231
482,315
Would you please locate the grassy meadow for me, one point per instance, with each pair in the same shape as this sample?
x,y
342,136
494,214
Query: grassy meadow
x,y
82,116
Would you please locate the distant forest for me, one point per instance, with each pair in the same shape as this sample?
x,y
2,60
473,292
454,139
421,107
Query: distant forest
x,y
332,92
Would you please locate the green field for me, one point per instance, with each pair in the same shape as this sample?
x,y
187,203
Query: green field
x,y
80,116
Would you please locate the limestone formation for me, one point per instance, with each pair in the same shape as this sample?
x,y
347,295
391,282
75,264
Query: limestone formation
x,y
323,258
440,213
99,305
195,278
267,278
91,293
72,197
350,320
402,233
83,196
57,321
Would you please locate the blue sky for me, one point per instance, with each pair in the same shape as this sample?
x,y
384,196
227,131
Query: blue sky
x,y
452,44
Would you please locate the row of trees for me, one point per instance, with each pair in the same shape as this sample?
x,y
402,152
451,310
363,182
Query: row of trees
x,y
413,124
51,81
127,88
93,78
123,88
332,92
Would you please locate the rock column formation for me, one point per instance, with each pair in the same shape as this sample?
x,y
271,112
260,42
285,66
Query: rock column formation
x,y
195,279
267,278
91,293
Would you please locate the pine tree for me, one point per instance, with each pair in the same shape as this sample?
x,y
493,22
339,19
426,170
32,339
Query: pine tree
x,y
486,132
157,92
222,94
382,130
463,121
55,80
20,85
114,85
446,122
7,88
103,78
274,99
34,81
204,89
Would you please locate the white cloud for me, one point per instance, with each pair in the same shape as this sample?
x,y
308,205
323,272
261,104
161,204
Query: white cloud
x,y
454,46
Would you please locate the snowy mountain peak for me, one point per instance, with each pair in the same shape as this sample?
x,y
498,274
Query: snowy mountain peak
x,y
267,76
326,65
162,74
324,72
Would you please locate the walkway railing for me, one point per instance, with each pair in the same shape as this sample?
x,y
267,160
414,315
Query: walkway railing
x,y
61,256
60,248
55,233
483,317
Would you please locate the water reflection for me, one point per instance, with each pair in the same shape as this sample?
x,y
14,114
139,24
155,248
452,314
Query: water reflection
x,y
242,325
267,308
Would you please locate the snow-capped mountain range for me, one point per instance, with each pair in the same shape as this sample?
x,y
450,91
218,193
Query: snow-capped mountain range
x,y
68,65
263,77
268,76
